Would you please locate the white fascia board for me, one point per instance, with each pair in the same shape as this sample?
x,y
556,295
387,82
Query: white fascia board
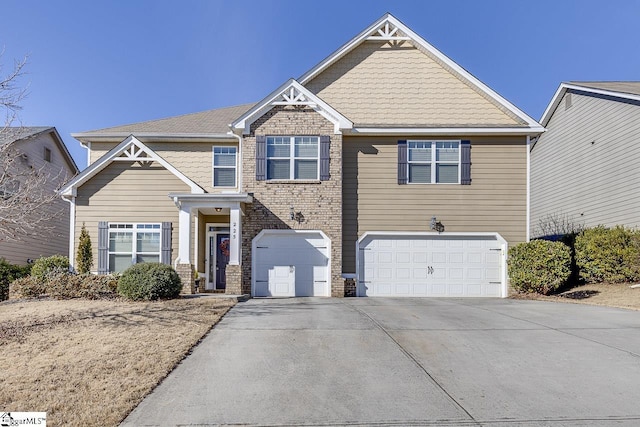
x,y
362,37
244,122
434,234
109,157
150,136
448,131
202,199
562,89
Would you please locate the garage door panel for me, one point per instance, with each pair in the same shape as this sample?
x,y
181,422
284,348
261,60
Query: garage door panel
x,y
430,265
291,264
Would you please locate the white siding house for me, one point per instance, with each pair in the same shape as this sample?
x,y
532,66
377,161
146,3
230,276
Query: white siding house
x,y
584,168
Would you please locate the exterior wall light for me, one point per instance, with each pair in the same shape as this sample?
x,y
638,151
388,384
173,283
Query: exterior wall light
x,y
436,225
295,216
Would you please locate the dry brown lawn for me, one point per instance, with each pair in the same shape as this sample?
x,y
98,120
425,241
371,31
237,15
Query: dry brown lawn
x,y
619,295
89,363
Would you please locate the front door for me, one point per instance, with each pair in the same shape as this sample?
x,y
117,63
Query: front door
x,y
222,259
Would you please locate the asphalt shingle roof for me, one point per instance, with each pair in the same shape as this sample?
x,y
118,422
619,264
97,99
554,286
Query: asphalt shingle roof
x,y
632,88
15,133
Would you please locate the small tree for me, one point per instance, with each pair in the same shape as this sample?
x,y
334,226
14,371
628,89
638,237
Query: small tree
x,y
84,259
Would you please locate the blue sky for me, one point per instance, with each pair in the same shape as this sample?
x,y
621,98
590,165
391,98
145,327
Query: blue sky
x,y
95,64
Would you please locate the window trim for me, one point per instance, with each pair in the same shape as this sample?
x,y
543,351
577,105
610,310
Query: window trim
x,y
114,227
292,158
213,166
434,162
47,155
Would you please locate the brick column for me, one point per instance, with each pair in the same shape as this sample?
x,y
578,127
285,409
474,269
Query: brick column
x,y
185,271
349,287
234,280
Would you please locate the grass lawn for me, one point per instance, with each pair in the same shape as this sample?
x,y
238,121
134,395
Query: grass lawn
x,y
618,295
89,363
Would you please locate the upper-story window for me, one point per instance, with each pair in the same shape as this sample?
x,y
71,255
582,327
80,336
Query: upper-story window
x,y
293,157
432,162
224,166
47,154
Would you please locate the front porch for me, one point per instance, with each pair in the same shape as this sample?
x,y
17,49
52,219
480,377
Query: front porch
x,y
210,241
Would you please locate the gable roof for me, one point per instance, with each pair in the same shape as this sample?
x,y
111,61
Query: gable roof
x,y
291,93
131,149
629,90
390,29
203,125
11,134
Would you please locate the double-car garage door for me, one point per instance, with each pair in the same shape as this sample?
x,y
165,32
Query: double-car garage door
x,y
431,265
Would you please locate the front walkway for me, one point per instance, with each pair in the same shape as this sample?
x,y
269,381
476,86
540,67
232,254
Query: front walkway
x,y
369,361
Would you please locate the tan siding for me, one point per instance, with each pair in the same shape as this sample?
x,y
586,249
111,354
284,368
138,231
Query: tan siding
x,y
401,86
373,201
125,192
588,184
195,159
55,241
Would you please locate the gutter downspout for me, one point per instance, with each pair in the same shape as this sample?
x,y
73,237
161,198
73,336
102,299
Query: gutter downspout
x,y
528,220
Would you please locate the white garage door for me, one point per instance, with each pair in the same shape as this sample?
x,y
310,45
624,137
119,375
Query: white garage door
x,y
431,265
288,263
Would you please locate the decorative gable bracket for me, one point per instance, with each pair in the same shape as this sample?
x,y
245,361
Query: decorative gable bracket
x,y
134,153
291,93
386,31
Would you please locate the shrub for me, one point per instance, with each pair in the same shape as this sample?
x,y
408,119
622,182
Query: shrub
x,y
46,265
84,258
608,254
539,266
26,287
8,273
65,285
149,281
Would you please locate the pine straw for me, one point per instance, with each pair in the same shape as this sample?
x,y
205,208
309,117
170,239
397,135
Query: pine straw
x,y
619,295
89,363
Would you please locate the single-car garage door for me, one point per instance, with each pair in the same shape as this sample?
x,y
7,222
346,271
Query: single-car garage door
x,y
432,265
288,263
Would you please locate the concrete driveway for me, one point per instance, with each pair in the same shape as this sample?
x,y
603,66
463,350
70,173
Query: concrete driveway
x,y
381,361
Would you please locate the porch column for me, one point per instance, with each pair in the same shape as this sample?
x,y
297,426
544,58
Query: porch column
x,y
235,236
184,232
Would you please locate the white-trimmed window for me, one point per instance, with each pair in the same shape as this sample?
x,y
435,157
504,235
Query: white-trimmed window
x,y
132,244
293,157
433,162
224,166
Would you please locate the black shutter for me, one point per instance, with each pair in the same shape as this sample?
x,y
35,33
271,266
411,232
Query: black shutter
x,y
103,247
165,255
325,142
402,162
261,157
465,162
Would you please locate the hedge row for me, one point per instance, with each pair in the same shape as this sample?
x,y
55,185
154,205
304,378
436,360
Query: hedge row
x,y
50,276
598,254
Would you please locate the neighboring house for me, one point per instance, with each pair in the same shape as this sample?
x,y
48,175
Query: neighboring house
x,y
333,175
42,151
584,167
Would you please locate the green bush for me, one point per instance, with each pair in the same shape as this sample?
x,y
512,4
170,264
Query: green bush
x,y
46,265
27,287
8,273
539,266
608,254
149,281
84,258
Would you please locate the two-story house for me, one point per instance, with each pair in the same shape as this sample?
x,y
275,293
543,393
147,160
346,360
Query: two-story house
x,y
386,163
35,164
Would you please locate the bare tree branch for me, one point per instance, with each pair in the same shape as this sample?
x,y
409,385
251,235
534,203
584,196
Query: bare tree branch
x,y
27,191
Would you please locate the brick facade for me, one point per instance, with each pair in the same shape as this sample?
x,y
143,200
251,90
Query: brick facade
x,y
319,201
185,271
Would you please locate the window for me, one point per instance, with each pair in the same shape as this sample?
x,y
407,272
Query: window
x,y
224,166
433,162
292,157
47,154
131,244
